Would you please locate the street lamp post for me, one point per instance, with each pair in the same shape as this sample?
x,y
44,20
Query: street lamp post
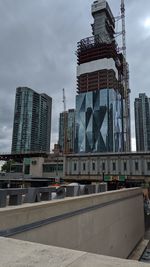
x,y
103,176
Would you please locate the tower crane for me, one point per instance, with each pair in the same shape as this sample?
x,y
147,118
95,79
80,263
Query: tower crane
x,y
65,123
125,80
64,99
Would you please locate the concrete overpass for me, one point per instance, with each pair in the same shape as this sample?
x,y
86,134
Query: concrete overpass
x,y
109,223
21,156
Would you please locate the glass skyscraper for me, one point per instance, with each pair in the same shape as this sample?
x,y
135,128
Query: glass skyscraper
x,y
67,127
101,124
142,122
32,121
99,121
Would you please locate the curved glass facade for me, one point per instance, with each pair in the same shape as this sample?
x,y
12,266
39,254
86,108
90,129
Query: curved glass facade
x,y
99,121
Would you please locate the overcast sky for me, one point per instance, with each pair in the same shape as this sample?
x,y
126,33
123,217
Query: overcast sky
x,y
37,49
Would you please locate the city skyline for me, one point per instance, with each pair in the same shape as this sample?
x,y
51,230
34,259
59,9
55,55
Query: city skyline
x,y
35,47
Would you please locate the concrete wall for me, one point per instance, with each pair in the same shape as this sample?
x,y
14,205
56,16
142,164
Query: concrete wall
x,y
36,167
109,223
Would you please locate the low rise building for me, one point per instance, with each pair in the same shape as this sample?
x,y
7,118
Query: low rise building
x,y
108,166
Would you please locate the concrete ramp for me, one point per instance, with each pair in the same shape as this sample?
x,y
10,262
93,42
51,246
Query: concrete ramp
x,y
110,223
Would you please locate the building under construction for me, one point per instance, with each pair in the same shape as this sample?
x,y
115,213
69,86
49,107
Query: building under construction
x,y
102,103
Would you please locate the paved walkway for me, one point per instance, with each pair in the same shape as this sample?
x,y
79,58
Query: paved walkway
x,y
19,253
147,228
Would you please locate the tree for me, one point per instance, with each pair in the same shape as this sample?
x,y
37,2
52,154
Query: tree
x,y
6,167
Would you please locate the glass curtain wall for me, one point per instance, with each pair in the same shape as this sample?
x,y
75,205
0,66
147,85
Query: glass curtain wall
x,y
99,121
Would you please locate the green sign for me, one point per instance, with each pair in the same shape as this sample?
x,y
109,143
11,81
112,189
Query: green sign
x,y
122,178
108,178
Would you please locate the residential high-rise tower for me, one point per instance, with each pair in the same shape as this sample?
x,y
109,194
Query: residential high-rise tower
x,y
67,131
142,122
32,121
101,121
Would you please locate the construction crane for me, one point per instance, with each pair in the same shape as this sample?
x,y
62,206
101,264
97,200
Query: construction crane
x,y
123,28
65,123
64,99
125,80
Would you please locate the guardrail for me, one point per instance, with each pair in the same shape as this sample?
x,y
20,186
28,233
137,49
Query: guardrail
x,y
18,196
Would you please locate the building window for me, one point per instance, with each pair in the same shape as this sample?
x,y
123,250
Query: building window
x,y
16,168
75,166
84,166
114,166
52,167
60,167
93,166
125,166
136,166
27,169
148,166
103,166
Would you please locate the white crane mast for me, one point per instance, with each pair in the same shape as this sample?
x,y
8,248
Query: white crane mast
x,y
65,123
64,99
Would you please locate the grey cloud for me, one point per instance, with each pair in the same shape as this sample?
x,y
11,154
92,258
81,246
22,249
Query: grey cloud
x,y
37,49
